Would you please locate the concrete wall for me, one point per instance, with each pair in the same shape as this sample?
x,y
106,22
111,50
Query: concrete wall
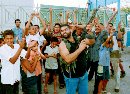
x,y
13,9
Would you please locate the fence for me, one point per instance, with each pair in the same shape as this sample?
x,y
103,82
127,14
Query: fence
x,y
10,13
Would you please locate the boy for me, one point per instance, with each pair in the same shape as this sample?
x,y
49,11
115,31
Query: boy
x,y
51,64
104,64
10,61
1,43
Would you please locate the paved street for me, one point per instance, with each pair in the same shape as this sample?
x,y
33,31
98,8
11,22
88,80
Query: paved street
x,y
125,82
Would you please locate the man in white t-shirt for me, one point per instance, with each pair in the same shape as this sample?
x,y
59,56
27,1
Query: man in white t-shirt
x,y
10,61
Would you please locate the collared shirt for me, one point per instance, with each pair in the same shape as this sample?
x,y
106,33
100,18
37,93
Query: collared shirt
x,y
18,32
94,49
10,73
104,56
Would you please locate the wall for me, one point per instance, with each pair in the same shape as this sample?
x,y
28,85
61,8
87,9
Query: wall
x,y
13,9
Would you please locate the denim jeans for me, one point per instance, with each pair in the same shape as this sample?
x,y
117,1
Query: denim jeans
x,y
81,83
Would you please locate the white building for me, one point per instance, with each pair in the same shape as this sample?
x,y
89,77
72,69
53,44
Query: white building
x,y
13,9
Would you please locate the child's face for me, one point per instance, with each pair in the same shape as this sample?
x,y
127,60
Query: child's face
x,y
57,28
35,47
32,30
9,39
53,44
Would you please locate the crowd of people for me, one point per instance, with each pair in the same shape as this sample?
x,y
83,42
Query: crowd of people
x,y
70,53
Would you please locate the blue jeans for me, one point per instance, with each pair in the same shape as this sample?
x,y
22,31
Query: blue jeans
x,y
81,83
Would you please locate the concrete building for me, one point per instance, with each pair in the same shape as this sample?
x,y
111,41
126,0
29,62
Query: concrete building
x,y
13,9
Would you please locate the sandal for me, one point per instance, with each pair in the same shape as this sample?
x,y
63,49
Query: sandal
x,y
61,86
45,90
55,92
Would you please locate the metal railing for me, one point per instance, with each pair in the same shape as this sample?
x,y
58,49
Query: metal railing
x,y
10,13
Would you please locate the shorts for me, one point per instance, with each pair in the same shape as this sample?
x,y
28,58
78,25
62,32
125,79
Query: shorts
x,y
52,71
105,75
115,54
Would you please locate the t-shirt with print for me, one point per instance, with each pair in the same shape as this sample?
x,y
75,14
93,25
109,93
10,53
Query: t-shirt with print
x,y
51,62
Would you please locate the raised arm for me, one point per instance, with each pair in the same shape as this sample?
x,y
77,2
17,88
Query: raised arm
x,y
28,24
17,54
43,23
89,41
67,17
50,10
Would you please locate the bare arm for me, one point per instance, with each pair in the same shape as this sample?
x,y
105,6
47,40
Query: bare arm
x,y
90,41
28,24
43,23
70,57
51,18
44,44
28,53
17,54
43,56
30,67
67,17
75,16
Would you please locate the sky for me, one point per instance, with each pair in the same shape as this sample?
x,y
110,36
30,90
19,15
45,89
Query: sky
x,y
68,3
76,3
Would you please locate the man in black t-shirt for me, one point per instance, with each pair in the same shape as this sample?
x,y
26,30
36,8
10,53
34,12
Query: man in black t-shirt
x,y
72,60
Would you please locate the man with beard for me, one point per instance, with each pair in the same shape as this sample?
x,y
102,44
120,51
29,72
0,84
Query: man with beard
x,y
73,61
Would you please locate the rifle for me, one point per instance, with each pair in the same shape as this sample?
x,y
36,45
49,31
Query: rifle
x,y
93,15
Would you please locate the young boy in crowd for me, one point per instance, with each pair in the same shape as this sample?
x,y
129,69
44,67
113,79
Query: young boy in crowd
x,y
1,43
51,64
104,64
31,68
10,61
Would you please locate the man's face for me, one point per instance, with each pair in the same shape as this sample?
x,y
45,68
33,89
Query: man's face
x,y
17,23
79,31
110,27
97,28
65,32
57,28
35,46
88,27
9,39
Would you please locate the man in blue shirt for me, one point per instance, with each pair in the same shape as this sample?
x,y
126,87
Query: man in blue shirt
x,y
18,32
